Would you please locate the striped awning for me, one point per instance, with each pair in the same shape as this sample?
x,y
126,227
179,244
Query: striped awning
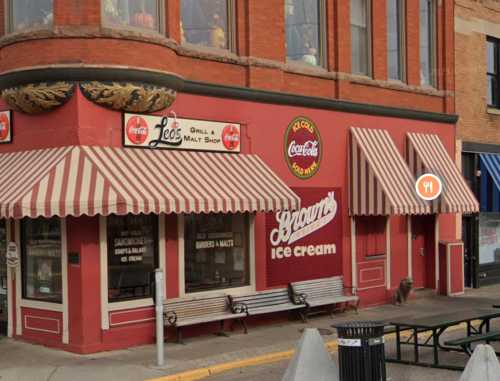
x,y
380,181
492,164
77,180
427,154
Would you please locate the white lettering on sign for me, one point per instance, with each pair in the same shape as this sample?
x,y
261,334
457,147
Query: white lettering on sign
x,y
281,252
308,149
298,224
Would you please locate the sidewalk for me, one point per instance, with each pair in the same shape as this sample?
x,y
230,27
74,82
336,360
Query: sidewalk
x,y
21,361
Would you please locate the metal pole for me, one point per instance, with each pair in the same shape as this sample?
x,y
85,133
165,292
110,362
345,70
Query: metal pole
x,y
160,355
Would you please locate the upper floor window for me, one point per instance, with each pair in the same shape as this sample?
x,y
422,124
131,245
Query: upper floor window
x,y
395,39
29,14
141,14
360,37
303,31
427,42
492,72
206,22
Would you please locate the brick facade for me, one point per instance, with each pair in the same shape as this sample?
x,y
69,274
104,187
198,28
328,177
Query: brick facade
x,y
474,21
258,61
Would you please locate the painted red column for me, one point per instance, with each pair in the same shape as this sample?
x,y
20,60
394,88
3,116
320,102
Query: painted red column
x,y
84,283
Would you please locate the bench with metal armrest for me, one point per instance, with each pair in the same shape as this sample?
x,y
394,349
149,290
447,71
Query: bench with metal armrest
x,y
325,292
183,312
466,342
264,302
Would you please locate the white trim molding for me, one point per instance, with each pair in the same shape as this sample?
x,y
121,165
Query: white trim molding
x,y
38,304
388,252
108,307
103,251
354,270
19,323
10,300
409,247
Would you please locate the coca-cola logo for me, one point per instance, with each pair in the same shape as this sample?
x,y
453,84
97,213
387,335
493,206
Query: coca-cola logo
x,y
303,147
137,130
231,137
4,127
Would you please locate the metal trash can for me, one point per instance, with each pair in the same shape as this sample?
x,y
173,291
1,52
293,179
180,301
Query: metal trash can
x,y
361,351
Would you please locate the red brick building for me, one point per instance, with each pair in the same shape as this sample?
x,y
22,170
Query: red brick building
x,y
236,145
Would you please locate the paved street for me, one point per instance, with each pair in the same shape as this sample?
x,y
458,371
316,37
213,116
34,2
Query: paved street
x,y
20,361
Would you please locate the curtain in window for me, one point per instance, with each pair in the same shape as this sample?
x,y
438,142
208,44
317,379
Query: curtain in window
x,y
302,31
205,22
426,42
359,37
30,14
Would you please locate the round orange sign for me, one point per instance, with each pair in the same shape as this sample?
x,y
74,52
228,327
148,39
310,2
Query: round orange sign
x,y
429,186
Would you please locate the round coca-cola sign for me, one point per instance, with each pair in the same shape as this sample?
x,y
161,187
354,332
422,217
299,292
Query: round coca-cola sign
x,y
137,130
303,148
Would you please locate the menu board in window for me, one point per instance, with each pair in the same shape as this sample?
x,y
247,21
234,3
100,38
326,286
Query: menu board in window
x,y
132,253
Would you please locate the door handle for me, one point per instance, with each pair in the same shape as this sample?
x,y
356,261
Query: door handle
x,y
422,252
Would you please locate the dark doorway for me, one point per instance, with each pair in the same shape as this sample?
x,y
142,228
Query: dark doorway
x,y
469,235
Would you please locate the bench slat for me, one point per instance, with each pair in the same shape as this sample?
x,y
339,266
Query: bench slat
x,y
473,338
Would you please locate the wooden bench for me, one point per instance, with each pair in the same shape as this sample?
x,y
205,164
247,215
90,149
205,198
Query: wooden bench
x,y
182,312
466,342
277,300
323,292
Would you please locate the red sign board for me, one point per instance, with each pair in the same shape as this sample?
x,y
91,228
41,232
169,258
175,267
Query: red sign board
x,y
303,148
307,243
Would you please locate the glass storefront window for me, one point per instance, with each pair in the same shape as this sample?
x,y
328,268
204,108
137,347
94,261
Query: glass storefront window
x,y
216,251
205,22
41,259
30,14
132,256
141,14
489,238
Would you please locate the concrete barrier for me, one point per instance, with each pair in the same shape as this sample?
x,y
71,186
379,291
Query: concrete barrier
x,y
311,360
483,365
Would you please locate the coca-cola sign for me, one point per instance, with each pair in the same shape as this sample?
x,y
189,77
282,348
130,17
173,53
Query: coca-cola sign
x,y
303,148
307,243
5,127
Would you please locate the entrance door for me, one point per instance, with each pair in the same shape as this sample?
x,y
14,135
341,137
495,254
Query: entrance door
x,y
423,249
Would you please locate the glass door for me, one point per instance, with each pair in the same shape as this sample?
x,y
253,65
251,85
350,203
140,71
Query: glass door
x,y
3,278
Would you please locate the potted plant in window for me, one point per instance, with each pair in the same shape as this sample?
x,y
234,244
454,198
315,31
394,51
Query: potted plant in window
x,y
143,19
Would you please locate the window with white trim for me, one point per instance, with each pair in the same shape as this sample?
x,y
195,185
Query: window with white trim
x,y
216,254
30,14
41,249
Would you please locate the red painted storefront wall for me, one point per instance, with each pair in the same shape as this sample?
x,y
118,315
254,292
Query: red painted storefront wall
x,y
263,128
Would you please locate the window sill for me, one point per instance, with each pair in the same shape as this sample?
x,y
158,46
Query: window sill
x,y
130,304
493,110
38,305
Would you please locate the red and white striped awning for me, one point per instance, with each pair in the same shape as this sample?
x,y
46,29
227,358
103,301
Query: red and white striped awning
x,y
77,180
427,154
381,183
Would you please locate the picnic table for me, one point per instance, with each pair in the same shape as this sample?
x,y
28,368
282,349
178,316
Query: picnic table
x,y
436,325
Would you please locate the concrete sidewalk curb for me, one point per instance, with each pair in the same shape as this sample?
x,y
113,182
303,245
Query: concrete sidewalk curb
x,y
269,358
